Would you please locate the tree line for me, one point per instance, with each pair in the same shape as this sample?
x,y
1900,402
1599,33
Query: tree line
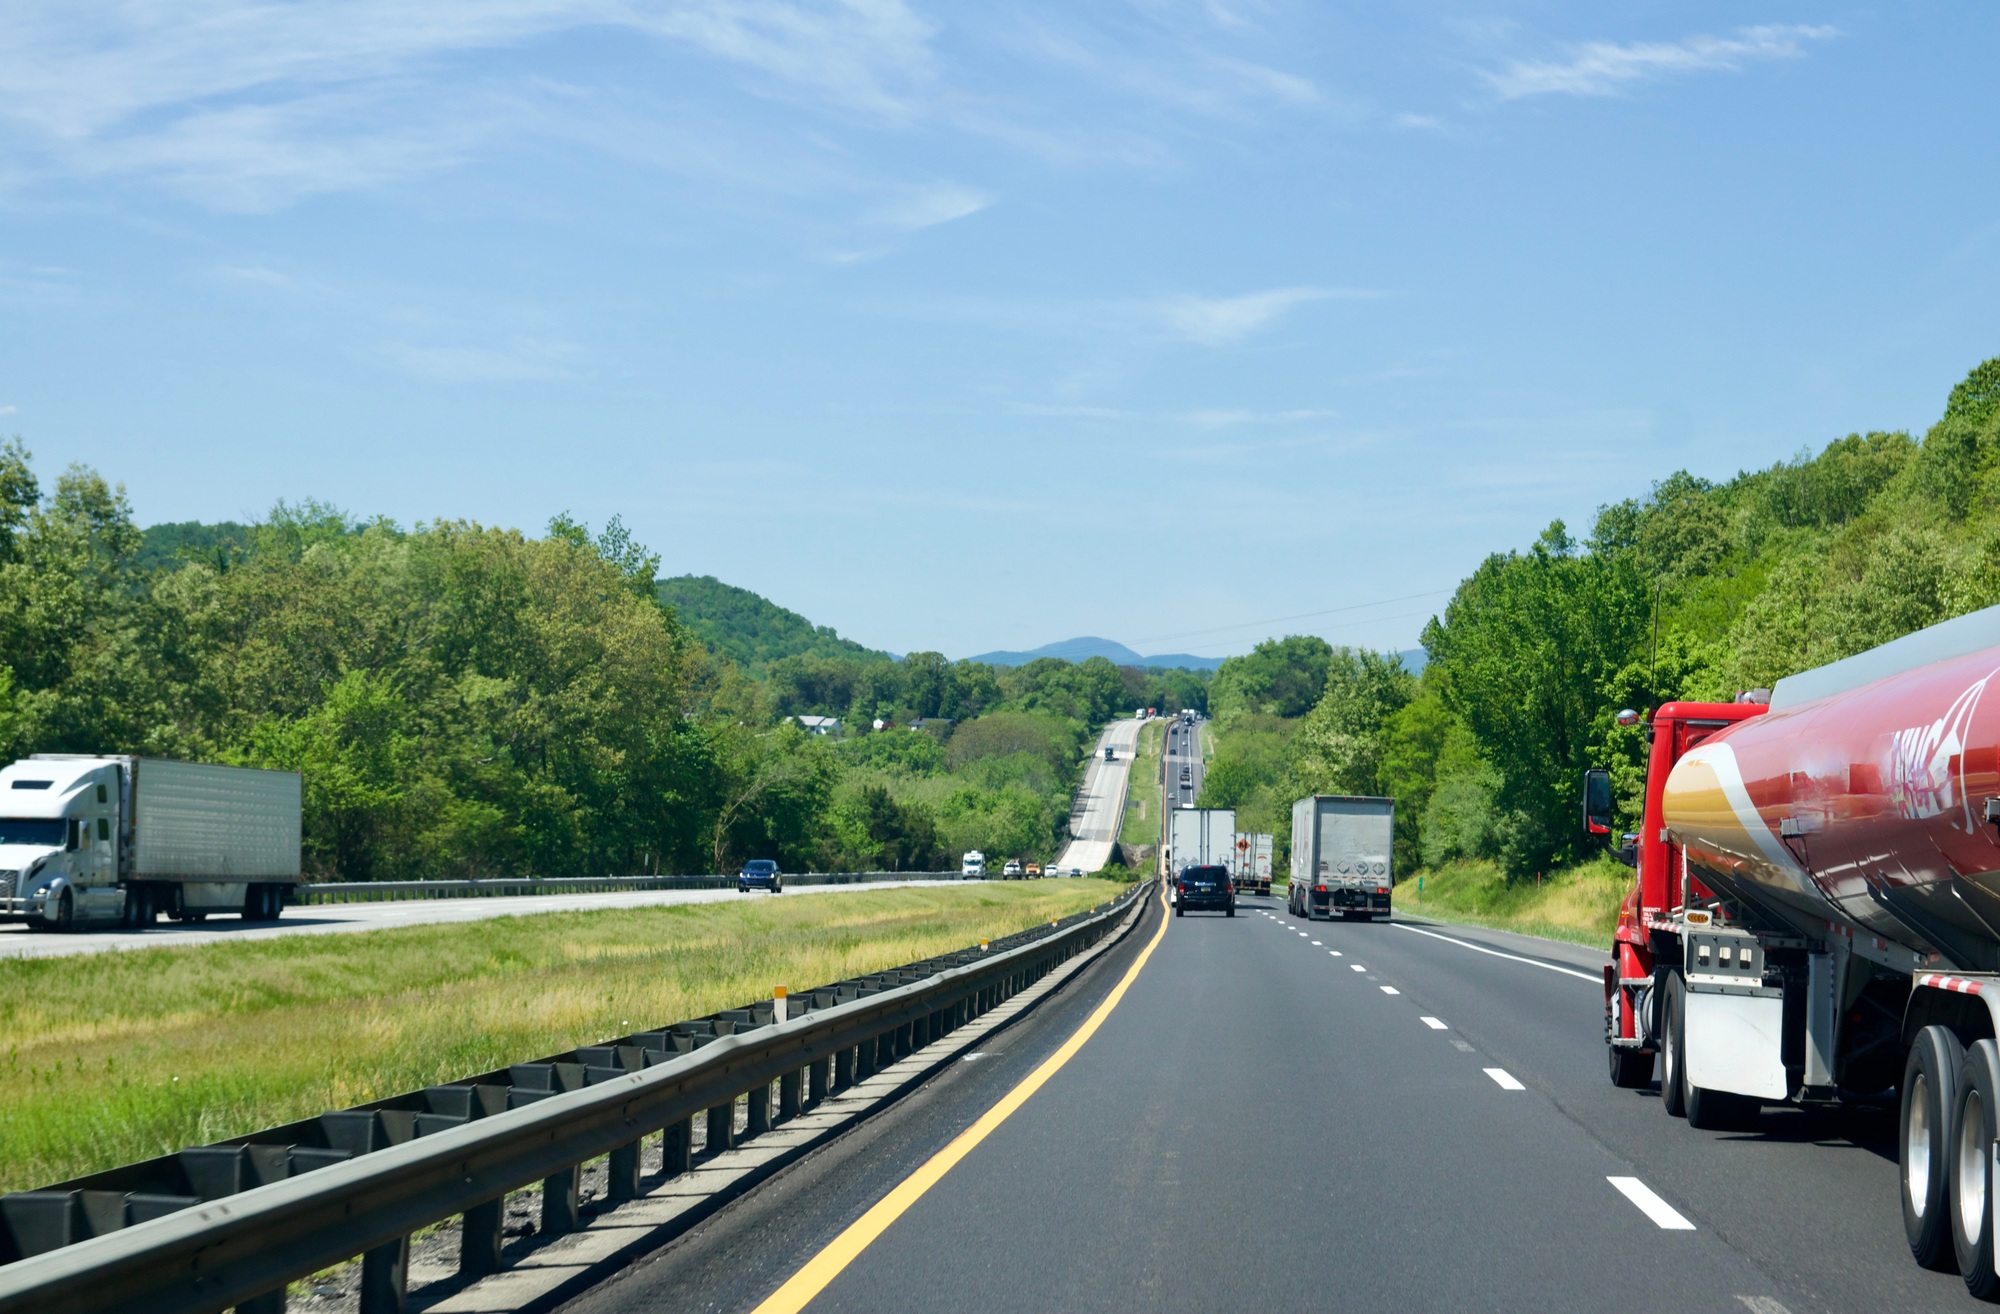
x,y
1699,590
463,700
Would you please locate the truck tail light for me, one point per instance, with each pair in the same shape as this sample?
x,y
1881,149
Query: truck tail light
x,y
1319,889
1381,889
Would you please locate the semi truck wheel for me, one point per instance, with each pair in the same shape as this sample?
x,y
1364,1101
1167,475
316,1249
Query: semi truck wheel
x,y
1930,1076
1630,1068
1719,1110
1975,1104
66,912
1673,1082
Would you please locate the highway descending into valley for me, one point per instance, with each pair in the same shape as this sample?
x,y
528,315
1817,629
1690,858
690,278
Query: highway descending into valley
x,y
1185,769
1104,787
1268,1114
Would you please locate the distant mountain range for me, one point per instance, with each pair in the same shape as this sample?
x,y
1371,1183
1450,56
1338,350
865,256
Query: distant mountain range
x,y
1076,650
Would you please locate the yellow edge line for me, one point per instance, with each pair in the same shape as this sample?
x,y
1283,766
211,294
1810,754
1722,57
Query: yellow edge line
x,y
844,1249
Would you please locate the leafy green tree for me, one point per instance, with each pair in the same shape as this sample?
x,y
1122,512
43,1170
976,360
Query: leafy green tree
x,y
1521,657
1279,677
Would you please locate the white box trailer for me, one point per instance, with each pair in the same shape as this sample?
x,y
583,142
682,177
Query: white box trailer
x,y
96,839
1342,856
1250,862
1201,837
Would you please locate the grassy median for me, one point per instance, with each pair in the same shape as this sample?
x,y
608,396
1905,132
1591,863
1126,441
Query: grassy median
x,y
1141,822
1579,904
120,1056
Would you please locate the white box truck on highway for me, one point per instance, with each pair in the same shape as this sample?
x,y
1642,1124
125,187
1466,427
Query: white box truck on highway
x,y
1202,837
1341,856
1251,865
122,839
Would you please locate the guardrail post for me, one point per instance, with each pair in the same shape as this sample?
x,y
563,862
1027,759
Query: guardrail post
x,y
865,1055
677,1148
788,1094
624,1169
385,1278
760,1109
271,1302
843,1069
819,1074
559,1201
721,1127
479,1238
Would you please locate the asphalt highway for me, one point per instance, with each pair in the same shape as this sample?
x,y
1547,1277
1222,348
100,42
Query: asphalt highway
x,y
17,941
1281,1115
1183,754
1104,785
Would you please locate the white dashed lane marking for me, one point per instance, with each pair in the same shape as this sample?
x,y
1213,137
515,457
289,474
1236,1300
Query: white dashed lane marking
x,y
1357,967
1317,945
1336,953
1391,990
1504,1079
1434,1024
1651,1205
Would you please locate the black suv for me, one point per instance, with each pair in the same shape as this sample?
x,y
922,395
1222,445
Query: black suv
x,y
1204,887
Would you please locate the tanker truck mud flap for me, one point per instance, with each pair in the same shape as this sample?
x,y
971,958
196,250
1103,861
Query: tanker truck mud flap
x,y
1734,1043
1735,1023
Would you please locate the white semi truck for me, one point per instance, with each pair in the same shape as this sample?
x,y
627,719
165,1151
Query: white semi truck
x,y
1341,856
120,840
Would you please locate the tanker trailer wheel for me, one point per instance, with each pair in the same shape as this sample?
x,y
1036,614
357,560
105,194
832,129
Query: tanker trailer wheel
x,y
1975,1103
1673,1081
1930,1076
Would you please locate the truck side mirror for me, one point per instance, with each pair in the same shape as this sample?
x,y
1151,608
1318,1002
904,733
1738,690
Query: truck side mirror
x,y
1597,801
72,844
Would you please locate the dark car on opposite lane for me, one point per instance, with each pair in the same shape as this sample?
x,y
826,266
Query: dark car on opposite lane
x,y
1204,888
760,874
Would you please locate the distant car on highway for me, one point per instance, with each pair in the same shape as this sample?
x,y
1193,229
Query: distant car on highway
x,y
1012,870
1110,753
760,874
1031,868
1204,887
972,864
1076,871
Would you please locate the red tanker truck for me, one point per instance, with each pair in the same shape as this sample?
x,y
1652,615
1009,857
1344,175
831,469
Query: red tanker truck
x,y
1816,917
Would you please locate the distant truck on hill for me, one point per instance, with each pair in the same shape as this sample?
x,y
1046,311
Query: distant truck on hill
x,y
120,840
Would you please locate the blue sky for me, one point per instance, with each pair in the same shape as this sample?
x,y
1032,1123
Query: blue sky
x,y
977,326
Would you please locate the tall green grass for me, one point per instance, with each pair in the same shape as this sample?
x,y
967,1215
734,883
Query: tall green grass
x,y
1141,824
114,1057
1579,904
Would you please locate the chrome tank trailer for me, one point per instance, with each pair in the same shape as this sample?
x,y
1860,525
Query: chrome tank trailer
x,y
1868,797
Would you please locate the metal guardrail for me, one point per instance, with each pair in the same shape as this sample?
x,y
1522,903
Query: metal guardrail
x,y
379,891
253,1214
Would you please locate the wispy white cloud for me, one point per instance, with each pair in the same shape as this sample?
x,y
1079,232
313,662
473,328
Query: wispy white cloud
x,y
1220,321
1223,418
247,104
927,207
9,410
517,361
1604,68
1185,317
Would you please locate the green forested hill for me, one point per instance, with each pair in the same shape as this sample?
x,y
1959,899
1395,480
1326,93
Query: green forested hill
x,y
749,629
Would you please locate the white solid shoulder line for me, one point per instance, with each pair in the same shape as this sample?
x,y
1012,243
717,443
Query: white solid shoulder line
x,y
1482,949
